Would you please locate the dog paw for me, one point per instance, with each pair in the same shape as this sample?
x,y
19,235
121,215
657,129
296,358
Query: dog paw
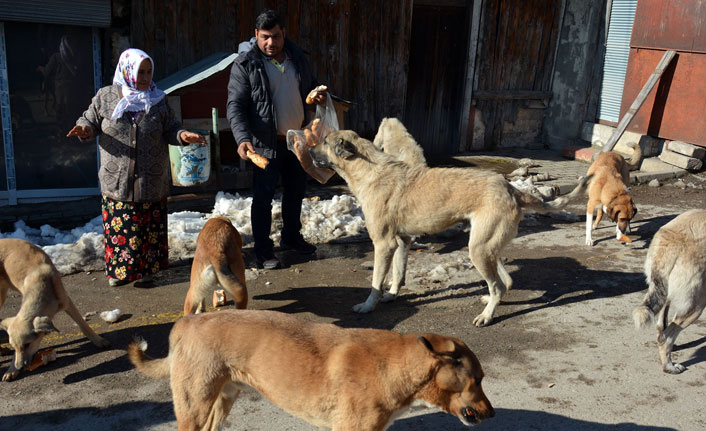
x,y
674,368
388,297
10,375
362,308
482,320
589,242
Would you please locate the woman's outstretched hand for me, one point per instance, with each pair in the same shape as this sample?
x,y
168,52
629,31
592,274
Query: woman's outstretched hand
x,y
192,138
82,132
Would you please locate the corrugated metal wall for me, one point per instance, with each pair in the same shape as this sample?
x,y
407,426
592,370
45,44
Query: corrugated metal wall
x,y
615,64
92,13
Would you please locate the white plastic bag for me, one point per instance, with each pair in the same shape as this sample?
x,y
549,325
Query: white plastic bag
x,y
299,141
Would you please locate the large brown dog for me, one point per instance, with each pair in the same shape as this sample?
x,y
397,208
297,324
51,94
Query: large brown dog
x,y
24,267
218,261
400,200
676,274
345,379
608,191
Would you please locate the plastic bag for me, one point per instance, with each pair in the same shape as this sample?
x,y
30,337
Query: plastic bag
x,y
299,141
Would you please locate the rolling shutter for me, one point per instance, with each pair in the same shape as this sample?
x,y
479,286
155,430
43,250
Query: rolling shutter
x,y
91,13
622,15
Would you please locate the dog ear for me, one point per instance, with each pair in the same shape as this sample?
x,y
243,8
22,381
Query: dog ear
x,y
5,323
43,324
344,149
438,345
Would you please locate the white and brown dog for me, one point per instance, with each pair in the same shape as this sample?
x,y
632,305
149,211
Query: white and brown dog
x,y
608,192
345,379
218,261
26,268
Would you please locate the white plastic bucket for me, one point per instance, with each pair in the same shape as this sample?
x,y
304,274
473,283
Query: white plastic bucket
x,y
190,164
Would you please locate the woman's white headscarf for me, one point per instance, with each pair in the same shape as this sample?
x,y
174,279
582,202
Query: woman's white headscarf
x,y
126,77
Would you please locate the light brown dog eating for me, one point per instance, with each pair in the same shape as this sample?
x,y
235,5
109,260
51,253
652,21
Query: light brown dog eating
x,y
24,267
608,192
344,379
218,261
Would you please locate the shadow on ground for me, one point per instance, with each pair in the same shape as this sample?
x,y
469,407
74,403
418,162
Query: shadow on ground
x,y
134,415
510,419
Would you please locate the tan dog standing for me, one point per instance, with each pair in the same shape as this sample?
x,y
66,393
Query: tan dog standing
x,y
394,139
608,192
26,268
400,200
218,261
344,379
676,275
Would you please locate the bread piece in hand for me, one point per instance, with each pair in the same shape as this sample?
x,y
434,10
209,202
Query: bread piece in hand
x,y
313,93
260,161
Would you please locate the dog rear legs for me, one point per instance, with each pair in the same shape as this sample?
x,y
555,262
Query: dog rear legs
x,y
210,278
72,311
485,242
668,337
202,400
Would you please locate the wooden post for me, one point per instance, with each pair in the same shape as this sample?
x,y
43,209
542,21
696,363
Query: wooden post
x,y
216,148
639,100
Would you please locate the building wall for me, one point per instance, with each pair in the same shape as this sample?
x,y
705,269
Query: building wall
x,y
574,91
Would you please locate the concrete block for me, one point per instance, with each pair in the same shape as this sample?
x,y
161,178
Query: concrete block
x,y
599,134
686,149
680,160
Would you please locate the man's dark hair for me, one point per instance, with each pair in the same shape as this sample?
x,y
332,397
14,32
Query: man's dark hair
x,y
267,20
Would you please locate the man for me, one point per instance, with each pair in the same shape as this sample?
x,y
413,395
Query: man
x,y
266,97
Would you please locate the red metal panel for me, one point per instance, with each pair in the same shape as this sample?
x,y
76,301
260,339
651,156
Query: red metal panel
x,y
675,107
670,24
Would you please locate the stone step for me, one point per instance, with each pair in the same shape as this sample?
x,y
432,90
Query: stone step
x,y
686,149
680,160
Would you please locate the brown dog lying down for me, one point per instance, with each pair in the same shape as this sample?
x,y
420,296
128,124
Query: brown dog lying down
x,y
24,267
675,267
218,261
345,379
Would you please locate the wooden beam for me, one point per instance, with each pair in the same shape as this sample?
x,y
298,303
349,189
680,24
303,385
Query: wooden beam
x,y
639,100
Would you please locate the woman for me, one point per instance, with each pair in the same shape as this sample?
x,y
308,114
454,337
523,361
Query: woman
x,y
135,124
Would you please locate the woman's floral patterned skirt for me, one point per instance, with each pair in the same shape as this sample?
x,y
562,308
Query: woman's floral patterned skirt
x,y
135,238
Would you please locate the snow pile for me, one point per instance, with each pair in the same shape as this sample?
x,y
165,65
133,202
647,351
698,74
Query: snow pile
x,y
82,249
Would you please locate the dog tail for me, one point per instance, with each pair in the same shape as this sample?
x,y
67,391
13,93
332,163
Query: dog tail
x,y
534,203
636,158
155,368
656,295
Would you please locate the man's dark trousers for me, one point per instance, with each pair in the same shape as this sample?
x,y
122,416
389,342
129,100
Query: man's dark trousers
x,y
286,165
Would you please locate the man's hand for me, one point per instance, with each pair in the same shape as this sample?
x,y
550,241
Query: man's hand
x,y
82,132
243,149
192,138
320,98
